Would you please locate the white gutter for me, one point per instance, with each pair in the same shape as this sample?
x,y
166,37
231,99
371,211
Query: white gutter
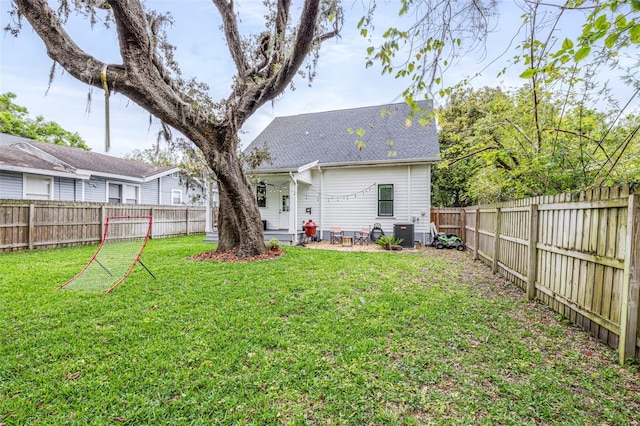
x,y
400,162
42,172
129,178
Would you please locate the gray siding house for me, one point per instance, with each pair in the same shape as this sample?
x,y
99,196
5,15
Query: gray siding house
x,y
347,169
31,170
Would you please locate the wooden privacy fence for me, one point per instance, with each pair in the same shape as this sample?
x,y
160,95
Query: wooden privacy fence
x,y
47,224
449,220
577,253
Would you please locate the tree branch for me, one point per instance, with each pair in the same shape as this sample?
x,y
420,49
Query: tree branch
x,y
472,154
232,34
256,96
62,49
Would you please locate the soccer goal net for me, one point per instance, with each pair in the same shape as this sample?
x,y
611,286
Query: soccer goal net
x,y
123,241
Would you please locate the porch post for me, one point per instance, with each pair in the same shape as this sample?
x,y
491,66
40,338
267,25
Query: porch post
x,y
293,208
321,204
207,208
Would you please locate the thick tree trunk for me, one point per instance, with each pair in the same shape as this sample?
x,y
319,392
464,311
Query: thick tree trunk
x,y
239,220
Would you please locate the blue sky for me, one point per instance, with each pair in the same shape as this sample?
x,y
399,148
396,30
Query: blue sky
x,y
342,79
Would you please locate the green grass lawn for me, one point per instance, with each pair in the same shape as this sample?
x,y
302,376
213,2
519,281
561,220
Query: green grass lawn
x,y
314,337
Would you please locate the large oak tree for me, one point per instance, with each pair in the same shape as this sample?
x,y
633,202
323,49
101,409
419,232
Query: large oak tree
x,y
148,75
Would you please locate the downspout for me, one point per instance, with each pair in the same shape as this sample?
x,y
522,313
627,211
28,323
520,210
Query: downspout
x,y
293,201
409,194
321,204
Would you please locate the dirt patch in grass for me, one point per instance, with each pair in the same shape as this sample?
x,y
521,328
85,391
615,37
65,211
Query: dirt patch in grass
x,y
229,256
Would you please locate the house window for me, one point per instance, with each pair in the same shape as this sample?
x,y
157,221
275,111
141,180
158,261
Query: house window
x,y
385,200
176,197
261,194
285,203
37,187
123,193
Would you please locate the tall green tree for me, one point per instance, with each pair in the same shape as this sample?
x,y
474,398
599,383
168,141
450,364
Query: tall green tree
x,y
457,120
15,120
497,149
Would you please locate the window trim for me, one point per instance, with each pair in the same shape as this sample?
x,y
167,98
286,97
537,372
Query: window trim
x,y
179,192
392,199
122,185
25,179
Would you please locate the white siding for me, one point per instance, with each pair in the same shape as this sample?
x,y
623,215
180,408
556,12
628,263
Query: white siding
x,y
64,189
309,197
167,183
349,197
149,193
95,190
10,185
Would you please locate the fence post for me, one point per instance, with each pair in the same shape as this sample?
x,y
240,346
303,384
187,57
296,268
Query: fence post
x,y
463,226
32,220
154,223
187,219
496,243
532,268
476,236
103,221
630,284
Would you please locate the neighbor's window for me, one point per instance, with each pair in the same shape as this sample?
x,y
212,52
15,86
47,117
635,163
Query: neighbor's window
x,y
261,194
176,196
385,200
38,187
123,193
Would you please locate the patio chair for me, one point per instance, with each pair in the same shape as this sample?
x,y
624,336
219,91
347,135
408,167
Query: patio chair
x,y
361,237
335,235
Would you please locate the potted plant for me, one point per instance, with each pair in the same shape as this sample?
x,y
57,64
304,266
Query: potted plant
x,y
273,244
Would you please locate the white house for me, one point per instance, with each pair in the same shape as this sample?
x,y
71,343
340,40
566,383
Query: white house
x,y
350,169
32,170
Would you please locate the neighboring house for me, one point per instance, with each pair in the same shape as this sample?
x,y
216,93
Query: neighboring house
x,y
348,168
32,170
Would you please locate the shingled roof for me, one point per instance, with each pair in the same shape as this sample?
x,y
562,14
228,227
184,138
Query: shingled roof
x,y
329,138
29,154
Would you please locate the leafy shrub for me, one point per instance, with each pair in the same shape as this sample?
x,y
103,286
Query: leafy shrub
x,y
273,244
389,239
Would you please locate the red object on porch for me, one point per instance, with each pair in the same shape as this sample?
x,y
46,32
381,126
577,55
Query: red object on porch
x,y
310,229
